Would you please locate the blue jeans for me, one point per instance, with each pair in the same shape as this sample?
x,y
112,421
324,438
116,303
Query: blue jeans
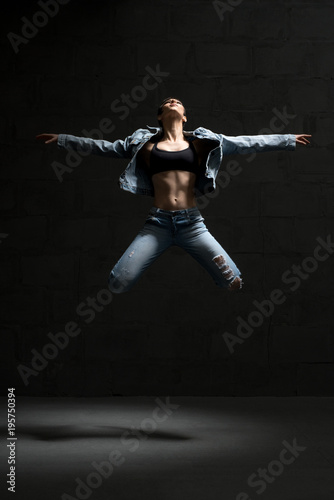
x,y
183,228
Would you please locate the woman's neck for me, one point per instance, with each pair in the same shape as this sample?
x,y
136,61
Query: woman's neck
x,y
173,131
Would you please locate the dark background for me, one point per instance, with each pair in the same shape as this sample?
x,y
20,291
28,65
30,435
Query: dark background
x,y
59,240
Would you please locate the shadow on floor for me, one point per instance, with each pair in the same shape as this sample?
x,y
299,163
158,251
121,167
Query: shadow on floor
x,y
65,432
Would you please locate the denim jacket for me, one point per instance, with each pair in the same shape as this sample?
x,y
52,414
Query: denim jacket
x,y
136,179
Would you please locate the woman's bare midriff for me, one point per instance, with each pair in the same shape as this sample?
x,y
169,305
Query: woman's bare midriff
x,y
174,189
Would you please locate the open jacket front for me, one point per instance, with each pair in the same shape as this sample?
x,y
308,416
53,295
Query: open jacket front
x,y
136,179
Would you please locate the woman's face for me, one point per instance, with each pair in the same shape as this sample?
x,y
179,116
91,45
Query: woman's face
x,y
172,103
171,107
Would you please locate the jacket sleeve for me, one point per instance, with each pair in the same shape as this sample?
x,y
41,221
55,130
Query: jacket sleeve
x,y
244,144
117,149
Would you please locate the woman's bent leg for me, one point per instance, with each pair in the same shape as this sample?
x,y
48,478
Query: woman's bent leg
x,y
200,244
150,242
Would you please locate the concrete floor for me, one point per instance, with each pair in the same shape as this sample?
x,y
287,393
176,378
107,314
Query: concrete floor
x,y
200,448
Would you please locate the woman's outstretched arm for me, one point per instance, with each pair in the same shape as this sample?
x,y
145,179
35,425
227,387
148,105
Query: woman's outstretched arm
x,y
244,144
117,149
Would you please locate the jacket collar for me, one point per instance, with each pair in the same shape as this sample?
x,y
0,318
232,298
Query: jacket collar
x,y
156,130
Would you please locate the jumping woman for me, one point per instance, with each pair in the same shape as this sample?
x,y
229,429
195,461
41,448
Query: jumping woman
x,y
175,167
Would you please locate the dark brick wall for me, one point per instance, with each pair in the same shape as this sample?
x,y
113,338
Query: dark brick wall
x,y
258,66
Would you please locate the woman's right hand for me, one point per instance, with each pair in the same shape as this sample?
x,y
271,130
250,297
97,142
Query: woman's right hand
x,y
47,138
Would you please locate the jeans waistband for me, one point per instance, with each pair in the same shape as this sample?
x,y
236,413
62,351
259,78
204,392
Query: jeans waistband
x,y
185,211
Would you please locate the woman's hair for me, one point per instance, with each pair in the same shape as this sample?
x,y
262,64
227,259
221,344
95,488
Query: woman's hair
x,y
161,105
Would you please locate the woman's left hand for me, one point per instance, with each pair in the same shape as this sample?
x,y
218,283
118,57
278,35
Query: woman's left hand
x,y
301,139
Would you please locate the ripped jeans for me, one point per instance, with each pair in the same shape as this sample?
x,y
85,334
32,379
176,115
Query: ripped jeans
x,y
183,228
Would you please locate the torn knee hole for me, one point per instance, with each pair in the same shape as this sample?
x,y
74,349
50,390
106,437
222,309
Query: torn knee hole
x,y
227,272
236,284
225,269
220,261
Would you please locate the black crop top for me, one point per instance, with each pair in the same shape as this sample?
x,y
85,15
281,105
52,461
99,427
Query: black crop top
x,y
186,159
